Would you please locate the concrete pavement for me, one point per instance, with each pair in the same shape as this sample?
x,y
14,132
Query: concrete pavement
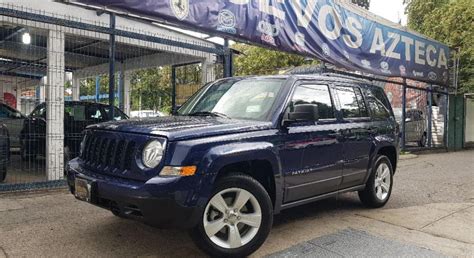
x,y
430,213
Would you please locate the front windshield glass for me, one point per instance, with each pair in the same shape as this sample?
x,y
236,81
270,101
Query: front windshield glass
x,y
235,98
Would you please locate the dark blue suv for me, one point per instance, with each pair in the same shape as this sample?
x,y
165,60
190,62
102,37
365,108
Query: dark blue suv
x,y
239,151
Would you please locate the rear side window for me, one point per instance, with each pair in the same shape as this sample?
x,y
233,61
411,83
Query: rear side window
x,y
378,102
379,95
314,94
378,109
352,103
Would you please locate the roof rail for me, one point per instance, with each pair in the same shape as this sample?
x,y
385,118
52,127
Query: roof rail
x,y
308,70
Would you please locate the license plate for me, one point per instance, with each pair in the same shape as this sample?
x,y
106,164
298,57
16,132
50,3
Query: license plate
x,y
83,190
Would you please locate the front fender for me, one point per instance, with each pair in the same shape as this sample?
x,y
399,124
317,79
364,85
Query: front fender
x,y
220,156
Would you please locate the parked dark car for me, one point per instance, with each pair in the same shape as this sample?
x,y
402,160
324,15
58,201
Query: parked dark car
x,y
77,116
13,120
239,151
4,151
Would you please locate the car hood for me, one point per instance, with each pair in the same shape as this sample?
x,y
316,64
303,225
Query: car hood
x,y
183,127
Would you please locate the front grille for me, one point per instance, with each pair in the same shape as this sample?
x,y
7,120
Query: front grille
x,y
108,153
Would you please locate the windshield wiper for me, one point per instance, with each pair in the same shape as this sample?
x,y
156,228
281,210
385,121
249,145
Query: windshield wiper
x,y
209,113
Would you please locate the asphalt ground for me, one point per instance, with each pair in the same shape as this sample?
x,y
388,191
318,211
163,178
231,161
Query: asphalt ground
x,y
430,213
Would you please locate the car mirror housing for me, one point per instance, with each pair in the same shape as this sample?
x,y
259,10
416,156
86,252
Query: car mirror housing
x,y
302,113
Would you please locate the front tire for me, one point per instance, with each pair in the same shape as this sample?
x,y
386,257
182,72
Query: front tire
x,y
237,218
379,185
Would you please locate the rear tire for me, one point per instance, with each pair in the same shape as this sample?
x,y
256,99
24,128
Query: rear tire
x,y
379,185
237,219
422,141
25,156
3,172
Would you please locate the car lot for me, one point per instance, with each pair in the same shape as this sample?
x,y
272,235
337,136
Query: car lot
x,y
430,213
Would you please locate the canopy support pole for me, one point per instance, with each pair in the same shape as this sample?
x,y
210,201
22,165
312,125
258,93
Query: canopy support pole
x,y
112,47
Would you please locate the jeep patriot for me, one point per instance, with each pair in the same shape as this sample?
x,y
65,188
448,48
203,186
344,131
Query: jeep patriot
x,y
239,151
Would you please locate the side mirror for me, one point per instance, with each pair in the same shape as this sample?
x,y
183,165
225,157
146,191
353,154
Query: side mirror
x,y
302,113
175,111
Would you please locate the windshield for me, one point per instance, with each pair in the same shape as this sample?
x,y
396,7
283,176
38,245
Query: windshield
x,y
235,98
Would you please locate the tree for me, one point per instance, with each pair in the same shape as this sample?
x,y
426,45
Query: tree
x,y
151,89
255,60
450,22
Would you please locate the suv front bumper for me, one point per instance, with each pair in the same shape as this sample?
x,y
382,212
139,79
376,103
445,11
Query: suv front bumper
x,y
160,202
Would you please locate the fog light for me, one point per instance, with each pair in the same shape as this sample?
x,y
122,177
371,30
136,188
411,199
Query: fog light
x,y
178,171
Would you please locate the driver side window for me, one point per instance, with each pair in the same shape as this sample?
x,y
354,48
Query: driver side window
x,y
314,94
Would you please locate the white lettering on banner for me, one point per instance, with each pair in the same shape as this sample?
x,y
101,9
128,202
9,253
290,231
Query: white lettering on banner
x,y
378,44
354,27
420,52
442,60
334,25
324,13
265,7
430,49
391,49
408,43
304,19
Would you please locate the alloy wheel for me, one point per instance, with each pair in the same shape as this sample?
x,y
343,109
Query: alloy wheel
x,y
382,181
232,218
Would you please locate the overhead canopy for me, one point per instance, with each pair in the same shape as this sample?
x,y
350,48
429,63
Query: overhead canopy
x,y
331,30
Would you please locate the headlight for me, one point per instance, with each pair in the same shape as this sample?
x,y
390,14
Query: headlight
x,y
152,154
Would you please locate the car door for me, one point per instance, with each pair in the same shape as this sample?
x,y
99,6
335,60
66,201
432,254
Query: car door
x,y
13,120
356,133
410,126
320,167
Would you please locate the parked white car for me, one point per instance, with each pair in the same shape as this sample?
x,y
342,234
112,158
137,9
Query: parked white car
x,y
146,113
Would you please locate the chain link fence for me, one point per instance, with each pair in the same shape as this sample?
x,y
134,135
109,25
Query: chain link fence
x,y
55,81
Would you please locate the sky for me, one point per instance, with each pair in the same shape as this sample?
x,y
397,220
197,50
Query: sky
x,y
392,10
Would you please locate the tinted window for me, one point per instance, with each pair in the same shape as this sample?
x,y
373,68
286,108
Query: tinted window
x,y
40,111
352,104
75,112
314,94
378,93
378,109
4,112
250,98
118,114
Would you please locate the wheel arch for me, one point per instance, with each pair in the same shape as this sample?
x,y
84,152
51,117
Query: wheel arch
x,y
258,160
391,153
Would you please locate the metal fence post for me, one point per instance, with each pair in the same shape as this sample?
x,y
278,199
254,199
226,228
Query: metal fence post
x,y
227,59
430,115
404,104
173,89
112,64
446,117
97,88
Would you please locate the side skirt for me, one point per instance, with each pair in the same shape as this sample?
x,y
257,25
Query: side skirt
x,y
321,197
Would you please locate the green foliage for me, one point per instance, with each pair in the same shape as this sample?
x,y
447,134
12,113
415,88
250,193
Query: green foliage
x,y
451,22
261,61
151,89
